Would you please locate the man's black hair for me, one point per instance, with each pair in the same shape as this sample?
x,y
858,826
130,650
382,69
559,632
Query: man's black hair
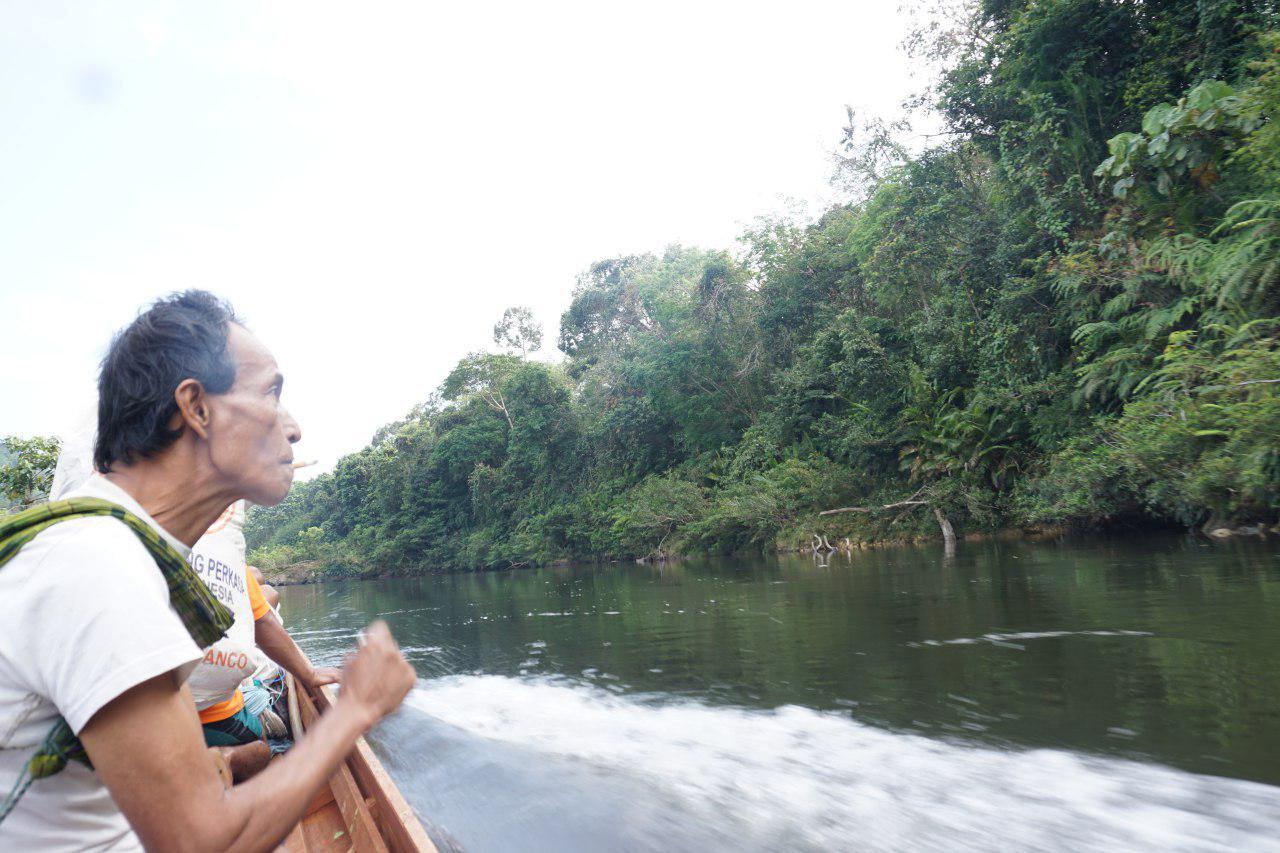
x,y
183,336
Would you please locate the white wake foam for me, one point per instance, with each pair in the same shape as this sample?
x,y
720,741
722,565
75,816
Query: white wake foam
x,y
798,778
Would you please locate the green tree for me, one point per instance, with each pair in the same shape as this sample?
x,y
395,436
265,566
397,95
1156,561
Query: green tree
x,y
27,470
518,331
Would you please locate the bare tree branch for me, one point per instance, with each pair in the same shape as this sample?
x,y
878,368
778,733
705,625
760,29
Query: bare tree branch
x,y
874,508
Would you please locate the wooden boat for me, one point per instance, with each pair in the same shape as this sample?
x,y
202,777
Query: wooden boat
x,y
361,810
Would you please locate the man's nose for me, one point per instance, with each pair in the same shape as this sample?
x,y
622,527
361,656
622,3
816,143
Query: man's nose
x,y
292,431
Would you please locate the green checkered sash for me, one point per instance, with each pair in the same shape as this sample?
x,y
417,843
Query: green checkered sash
x,y
205,618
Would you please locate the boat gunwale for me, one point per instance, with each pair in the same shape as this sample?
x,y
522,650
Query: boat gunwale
x,y
376,815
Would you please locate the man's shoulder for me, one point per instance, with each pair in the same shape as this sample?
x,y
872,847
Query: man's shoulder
x,y
102,534
85,547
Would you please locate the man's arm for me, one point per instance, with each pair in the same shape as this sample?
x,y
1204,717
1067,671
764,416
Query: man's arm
x,y
273,639
169,790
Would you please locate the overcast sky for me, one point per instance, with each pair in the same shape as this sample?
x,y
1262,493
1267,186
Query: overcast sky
x,y
370,184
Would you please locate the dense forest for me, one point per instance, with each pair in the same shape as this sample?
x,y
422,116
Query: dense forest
x,y
1062,310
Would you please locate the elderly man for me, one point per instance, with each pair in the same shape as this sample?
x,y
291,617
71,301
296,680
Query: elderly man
x,y
256,640
99,627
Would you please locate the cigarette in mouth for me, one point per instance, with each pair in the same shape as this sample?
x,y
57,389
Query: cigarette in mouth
x,y
303,464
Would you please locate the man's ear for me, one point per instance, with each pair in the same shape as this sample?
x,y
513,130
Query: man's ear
x,y
193,407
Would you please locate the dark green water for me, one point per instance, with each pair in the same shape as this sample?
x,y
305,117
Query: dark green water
x,y
1048,696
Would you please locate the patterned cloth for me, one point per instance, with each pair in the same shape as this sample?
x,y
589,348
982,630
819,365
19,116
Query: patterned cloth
x,y
204,617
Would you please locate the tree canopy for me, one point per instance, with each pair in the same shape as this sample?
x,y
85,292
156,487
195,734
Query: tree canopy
x,y
26,469
1066,310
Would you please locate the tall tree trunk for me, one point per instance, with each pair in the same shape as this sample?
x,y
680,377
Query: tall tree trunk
x,y
948,532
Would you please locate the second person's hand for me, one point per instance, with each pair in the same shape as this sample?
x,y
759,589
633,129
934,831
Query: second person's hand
x,y
322,675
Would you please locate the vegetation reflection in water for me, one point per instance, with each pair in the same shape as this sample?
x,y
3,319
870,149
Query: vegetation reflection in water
x,y
1165,650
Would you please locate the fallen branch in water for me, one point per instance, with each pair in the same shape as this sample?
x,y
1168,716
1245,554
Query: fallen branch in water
x,y
910,502
873,508
944,523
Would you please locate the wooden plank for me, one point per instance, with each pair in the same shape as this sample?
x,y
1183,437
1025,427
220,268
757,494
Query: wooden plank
x,y
295,715
400,825
307,710
390,825
364,832
324,831
401,829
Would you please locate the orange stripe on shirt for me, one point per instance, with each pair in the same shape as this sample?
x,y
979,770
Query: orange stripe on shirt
x,y
223,710
256,601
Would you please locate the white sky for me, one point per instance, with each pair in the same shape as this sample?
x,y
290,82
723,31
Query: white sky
x,y
371,183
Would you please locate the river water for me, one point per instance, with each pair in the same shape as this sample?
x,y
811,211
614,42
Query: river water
x,y
1070,696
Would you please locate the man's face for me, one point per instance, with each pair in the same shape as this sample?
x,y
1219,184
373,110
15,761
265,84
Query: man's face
x,y
250,433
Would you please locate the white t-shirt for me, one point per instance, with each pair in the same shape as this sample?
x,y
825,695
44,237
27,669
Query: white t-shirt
x,y
84,616
218,558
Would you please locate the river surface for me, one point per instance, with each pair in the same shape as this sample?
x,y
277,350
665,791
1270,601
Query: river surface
x,y
1072,696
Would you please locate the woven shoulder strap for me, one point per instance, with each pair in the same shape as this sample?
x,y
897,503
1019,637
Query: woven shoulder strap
x,y
205,618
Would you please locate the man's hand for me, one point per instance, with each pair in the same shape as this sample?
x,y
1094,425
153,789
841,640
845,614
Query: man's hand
x,y
377,677
322,675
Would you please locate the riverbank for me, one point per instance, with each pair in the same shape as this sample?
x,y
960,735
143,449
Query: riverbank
x,y
315,571
318,571
969,344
